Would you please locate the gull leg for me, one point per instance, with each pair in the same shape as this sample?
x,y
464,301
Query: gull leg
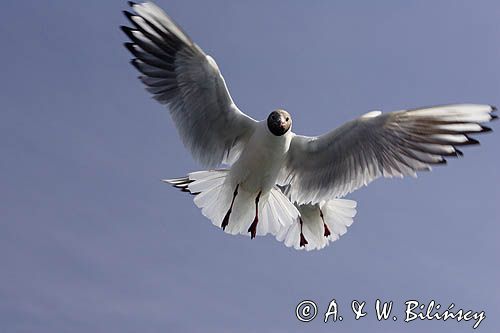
x,y
303,240
253,227
325,227
225,221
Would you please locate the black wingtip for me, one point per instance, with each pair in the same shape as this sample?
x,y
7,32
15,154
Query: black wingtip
x,y
131,3
128,14
135,63
455,153
129,46
127,30
472,141
485,129
494,116
493,108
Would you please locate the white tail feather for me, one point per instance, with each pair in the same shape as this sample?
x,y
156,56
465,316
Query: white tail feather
x,y
337,216
214,194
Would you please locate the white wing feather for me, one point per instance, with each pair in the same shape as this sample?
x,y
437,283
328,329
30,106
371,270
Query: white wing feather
x,y
179,74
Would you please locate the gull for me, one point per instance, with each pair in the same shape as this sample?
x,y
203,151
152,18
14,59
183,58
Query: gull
x,y
264,179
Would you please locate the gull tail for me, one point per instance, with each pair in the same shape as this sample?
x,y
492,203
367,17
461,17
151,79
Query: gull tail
x,y
319,224
235,210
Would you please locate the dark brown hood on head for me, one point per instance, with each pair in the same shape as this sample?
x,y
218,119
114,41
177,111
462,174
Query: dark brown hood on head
x,y
279,122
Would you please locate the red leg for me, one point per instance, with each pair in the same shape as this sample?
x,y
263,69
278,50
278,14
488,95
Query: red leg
x,y
303,240
225,221
253,227
325,227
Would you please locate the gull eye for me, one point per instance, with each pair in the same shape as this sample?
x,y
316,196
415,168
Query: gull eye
x,y
287,119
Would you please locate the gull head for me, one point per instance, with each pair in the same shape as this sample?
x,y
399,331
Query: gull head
x,y
279,122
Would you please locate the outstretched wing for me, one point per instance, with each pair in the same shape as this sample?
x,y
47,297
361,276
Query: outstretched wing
x,y
179,74
391,144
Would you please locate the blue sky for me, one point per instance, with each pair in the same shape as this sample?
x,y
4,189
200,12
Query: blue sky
x,y
92,241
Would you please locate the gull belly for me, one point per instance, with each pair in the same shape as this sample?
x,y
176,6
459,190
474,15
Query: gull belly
x,y
261,161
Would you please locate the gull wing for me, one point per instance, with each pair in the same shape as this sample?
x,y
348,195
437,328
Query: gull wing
x,y
392,144
180,75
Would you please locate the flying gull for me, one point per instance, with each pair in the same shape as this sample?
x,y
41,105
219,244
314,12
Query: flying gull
x,y
262,177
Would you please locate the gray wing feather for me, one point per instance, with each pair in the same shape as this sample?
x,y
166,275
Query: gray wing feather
x,y
180,75
375,145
